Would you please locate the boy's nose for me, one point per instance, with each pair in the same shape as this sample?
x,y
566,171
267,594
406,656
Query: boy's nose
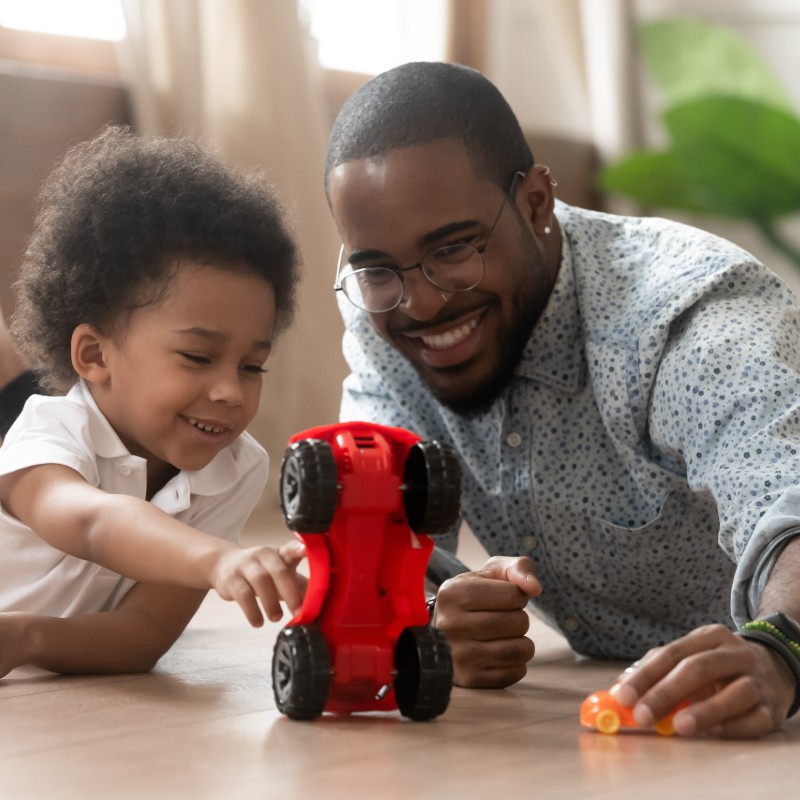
x,y
421,299
227,388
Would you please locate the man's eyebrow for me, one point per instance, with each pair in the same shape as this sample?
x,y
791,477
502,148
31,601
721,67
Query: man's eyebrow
x,y
218,336
428,240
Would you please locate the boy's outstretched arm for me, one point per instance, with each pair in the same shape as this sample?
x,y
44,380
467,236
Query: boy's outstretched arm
x,y
134,538
131,638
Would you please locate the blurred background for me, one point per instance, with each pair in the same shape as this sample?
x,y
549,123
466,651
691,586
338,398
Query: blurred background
x,y
260,81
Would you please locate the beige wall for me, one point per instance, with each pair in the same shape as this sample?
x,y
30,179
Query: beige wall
x,y
41,114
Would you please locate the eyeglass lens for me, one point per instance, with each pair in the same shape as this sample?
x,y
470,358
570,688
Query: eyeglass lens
x,y
453,268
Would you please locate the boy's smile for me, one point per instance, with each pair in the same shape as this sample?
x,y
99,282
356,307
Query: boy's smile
x,y
182,379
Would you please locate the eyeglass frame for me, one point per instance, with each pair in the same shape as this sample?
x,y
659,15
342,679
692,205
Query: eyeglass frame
x,y
400,271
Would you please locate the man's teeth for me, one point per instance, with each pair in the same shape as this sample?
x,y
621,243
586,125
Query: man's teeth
x,y
452,337
205,428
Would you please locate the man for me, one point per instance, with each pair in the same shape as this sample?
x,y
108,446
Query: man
x,y
623,394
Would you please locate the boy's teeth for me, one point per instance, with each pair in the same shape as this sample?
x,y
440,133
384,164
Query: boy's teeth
x,y
452,337
205,428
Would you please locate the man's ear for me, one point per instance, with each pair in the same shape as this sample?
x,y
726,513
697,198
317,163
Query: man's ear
x,y
538,185
89,356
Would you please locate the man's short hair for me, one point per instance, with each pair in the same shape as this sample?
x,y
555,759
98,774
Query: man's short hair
x,y
422,101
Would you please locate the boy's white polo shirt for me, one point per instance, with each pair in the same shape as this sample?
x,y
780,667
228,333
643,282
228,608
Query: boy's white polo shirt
x,y
71,430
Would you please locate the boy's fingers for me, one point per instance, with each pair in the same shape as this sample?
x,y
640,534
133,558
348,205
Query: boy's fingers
x,y
292,552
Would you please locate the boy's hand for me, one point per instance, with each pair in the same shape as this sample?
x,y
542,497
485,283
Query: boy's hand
x,y
737,688
265,574
483,616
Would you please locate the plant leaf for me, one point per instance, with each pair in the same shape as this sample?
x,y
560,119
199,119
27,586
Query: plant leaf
x,y
744,153
657,179
688,58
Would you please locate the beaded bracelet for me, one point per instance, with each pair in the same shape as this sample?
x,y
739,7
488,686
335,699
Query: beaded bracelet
x,y
768,627
764,632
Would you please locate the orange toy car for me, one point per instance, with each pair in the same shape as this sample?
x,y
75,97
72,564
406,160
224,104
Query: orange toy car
x,y
602,711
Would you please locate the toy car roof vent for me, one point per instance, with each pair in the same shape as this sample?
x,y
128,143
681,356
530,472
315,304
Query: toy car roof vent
x,y
364,441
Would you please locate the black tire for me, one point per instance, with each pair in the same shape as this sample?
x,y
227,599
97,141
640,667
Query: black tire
x,y
424,669
309,489
432,481
301,672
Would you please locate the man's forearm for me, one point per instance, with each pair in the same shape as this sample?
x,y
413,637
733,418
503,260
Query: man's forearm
x,y
782,592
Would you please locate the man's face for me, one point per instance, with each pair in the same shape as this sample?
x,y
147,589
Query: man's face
x,y
396,209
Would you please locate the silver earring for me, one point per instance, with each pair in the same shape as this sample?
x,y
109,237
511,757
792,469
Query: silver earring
x,y
546,172
546,229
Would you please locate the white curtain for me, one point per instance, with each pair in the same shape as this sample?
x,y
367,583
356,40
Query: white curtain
x,y
239,75
569,69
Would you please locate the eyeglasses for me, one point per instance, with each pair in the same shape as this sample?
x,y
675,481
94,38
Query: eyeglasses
x,y
456,267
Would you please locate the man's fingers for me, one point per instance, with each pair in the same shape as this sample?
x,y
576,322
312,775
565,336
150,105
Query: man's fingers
x,y
472,591
484,626
491,665
658,663
520,571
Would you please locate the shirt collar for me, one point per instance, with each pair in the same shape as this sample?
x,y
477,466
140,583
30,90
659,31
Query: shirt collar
x,y
216,477
554,353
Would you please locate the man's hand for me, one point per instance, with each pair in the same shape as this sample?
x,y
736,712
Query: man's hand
x,y
483,616
737,688
265,574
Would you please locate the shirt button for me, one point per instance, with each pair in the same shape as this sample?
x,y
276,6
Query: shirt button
x,y
514,439
529,542
571,624
125,469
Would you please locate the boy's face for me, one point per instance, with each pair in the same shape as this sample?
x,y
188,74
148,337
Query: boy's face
x,y
184,375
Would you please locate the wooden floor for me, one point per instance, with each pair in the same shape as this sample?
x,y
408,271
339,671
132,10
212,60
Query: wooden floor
x,y
204,725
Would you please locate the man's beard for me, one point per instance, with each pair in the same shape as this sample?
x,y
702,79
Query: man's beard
x,y
529,302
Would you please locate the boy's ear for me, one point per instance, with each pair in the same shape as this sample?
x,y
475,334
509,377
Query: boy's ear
x,y
89,353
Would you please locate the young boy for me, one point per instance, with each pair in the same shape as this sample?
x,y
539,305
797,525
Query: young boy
x,y
151,293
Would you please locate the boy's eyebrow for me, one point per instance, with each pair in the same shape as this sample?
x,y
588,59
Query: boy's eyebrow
x,y
427,240
206,333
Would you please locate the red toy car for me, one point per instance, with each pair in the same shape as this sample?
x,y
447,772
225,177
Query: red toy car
x,y
362,498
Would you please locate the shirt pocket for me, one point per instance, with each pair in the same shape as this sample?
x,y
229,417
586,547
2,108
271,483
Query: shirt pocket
x,y
621,550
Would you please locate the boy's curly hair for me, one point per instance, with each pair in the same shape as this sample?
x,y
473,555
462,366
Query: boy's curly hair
x,y
114,219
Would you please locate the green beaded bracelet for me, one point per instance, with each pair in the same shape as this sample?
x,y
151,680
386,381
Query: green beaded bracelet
x,y
781,634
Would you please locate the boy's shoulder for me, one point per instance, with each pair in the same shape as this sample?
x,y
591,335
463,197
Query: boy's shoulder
x,y
51,430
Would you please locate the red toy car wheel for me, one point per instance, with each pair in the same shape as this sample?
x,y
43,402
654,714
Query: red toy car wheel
x,y
301,672
424,673
309,486
432,481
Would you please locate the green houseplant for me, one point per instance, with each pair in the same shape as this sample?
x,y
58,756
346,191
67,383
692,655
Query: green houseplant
x,y
734,139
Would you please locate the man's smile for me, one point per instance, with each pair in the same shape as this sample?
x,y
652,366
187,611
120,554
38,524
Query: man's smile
x,y
447,344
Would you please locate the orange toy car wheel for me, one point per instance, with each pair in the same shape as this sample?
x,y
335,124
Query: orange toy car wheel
x,y
665,727
608,721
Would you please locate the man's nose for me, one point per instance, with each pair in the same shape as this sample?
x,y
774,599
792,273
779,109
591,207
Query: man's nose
x,y
421,299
